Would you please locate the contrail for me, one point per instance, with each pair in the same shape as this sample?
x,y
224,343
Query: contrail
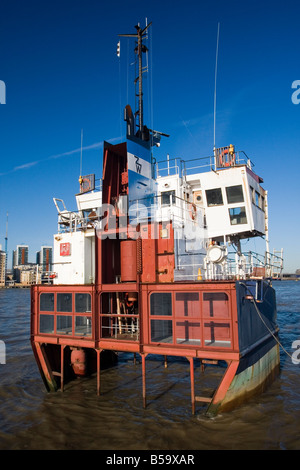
x,y
59,155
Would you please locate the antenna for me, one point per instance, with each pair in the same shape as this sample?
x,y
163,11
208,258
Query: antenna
x,y
80,175
6,241
215,94
139,50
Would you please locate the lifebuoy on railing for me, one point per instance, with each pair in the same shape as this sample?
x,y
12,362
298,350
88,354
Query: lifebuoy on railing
x,y
231,160
193,211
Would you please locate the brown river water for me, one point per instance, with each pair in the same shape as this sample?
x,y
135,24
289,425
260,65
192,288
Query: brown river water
x,y
78,419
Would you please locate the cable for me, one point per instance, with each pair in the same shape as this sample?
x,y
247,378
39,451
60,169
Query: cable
x,y
259,314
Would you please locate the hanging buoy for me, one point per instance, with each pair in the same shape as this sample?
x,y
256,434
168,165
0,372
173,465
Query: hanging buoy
x,y
78,361
193,211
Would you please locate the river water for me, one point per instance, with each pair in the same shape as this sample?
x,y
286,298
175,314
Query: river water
x,y
31,418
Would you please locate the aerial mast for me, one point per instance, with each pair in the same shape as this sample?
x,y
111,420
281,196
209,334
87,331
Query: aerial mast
x,y
139,50
6,237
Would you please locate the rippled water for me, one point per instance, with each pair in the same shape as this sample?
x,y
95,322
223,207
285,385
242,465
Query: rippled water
x,y
31,418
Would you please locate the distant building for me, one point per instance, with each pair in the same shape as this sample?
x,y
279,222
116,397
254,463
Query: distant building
x,y
26,274
44,258
2,267
20,255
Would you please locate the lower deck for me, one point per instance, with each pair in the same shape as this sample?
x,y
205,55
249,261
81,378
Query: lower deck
x,y
200,320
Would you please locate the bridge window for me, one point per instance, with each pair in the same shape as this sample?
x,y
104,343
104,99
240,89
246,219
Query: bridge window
x,y
234,194
237,215
214,197
167,197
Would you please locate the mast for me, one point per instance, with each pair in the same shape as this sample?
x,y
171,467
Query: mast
x,y
6,242
139,50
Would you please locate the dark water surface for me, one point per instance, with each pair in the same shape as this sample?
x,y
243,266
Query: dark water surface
x,y
31,418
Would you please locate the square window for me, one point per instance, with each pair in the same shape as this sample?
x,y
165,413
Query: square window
x,y
47,302
215,305
167,197
188,332
83,326
161,331
64,324
161,303
237,215
82,303
64,302
46,323
214,197
234,194
187,304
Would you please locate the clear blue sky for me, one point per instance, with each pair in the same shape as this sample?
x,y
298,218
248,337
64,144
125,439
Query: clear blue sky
x,y
58,61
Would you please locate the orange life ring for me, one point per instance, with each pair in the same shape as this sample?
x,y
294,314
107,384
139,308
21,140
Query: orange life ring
x,y
193,211
221,157
222,161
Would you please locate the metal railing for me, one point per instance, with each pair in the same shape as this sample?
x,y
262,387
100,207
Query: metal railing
x,y
178,166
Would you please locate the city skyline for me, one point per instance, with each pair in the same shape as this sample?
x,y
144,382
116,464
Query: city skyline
x,y
60,84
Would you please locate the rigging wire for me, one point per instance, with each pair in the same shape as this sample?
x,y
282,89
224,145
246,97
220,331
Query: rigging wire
x,y
260,316
215,93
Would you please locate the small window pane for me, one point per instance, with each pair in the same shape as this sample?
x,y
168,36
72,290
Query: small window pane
x,y
64,302
237,215
47,302
257,199
161,331
214,197
168,197
82,303
252,193
188,332
64,324
83,326
161,304
215,304
235,194
217,334
46,323
187,304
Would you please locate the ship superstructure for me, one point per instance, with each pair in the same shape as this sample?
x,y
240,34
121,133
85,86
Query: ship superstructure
x,y
152,263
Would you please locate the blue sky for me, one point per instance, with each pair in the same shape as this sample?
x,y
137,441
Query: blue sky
x,y
58,61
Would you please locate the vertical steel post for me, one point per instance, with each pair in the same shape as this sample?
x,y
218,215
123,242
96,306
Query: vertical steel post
x,y
191,360
62,367
98,351
144,379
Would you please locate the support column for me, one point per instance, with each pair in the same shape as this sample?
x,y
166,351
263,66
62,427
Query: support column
x,y
144,378
98,351
191,360
62,367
